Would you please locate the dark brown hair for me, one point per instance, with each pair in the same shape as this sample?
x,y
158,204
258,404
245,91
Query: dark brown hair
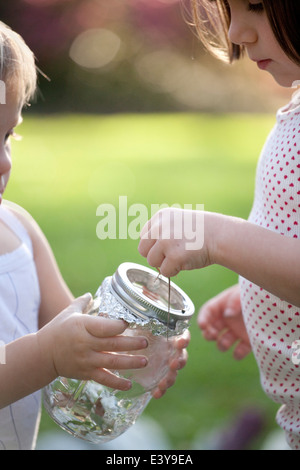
x,y
211,19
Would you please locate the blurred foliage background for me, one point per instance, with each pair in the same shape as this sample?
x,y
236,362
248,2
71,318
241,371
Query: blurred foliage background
x,y
134,106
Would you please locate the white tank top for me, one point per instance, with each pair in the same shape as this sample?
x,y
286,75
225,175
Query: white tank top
x,y
19,306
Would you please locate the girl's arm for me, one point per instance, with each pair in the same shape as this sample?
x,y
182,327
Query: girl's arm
x,y
266,258
68,343
71,345
27,367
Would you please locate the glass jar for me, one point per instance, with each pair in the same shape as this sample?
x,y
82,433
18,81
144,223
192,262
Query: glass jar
x,y
153,307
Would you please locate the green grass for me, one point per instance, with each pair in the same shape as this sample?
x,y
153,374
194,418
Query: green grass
x,y
66,166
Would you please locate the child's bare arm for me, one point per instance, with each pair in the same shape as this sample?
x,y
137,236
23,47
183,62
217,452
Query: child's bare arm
x,y
68,343
72,345
268,259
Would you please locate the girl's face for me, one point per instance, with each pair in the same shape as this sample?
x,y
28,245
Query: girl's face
x,y
10,117
250,28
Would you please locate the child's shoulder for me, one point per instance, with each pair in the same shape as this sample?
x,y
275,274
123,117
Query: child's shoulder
x,y
22,215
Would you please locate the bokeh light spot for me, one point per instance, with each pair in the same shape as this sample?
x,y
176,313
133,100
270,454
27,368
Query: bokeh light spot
x,y
95,48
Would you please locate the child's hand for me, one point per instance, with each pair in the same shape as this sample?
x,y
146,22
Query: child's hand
x,y
85,347
177,362
173,240
221,320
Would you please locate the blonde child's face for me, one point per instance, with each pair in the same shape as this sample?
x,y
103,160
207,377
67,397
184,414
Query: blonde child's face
x,y
250,28
10,117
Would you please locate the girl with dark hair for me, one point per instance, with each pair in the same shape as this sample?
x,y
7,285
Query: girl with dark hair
x,y
262,312
212,18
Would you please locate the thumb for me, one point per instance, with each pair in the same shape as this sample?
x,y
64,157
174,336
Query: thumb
x,y
82,303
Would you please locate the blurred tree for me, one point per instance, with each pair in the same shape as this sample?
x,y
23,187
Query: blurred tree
x,y
128,55
51,26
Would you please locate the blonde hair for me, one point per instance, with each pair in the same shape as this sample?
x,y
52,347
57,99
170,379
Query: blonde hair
x,y
17,65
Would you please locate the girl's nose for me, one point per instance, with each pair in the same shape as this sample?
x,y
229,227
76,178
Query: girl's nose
x,y
240,31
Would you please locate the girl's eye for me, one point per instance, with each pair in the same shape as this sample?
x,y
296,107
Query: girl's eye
x,y
256,7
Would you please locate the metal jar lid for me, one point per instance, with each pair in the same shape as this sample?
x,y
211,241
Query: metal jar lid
x,y
146,294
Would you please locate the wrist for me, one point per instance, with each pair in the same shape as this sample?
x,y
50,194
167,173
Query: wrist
x,y
45,351
228,240
216,227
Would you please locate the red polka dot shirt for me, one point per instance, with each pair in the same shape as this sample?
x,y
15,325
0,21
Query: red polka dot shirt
x,y
273,324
